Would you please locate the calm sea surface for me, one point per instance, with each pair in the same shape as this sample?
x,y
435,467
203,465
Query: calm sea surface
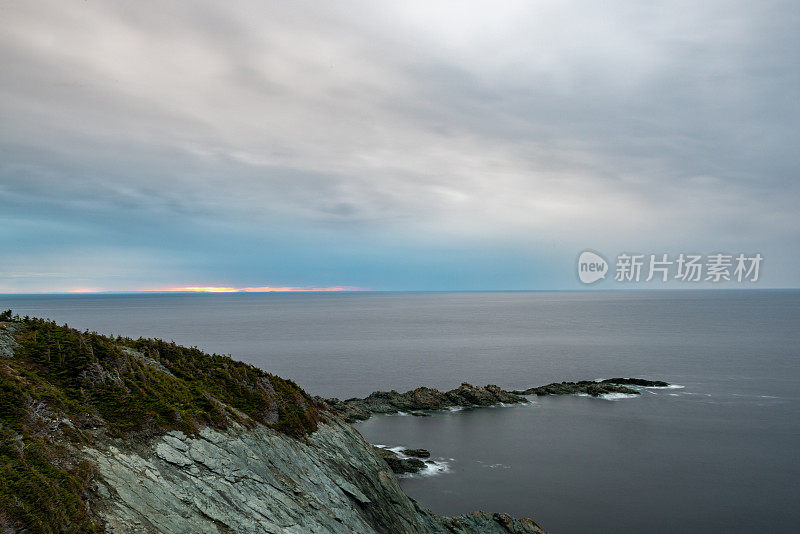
x,y
720,454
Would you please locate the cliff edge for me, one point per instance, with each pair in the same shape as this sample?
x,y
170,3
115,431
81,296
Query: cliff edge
x,y
101,434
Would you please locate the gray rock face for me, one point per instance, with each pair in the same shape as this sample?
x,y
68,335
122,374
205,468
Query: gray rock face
x,y
257,480
7,341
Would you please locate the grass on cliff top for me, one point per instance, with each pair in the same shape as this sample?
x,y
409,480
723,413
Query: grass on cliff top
x,y
62,385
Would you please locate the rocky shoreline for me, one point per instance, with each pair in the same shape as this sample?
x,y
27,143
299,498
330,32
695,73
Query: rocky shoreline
x,y
145,436
423,400
593,388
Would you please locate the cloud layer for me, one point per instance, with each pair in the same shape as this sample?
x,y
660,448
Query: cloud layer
x,y
390,145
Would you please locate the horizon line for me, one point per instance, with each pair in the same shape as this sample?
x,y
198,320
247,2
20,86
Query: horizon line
x,y
211,290
194,289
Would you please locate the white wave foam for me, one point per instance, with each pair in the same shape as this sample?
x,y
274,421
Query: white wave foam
x,y
435,466
498,466
634,386
462,408
618,396
609,396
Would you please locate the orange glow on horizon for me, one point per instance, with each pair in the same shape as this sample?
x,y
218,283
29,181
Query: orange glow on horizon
x,y
193,289
203,289
86,290
259,289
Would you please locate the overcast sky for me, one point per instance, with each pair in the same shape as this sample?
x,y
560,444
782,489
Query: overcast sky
x,y
391,145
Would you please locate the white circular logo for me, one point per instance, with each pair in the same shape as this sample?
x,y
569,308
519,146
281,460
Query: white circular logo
x,y
591,267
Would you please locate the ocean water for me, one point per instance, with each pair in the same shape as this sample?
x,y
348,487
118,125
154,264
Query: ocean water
x,y
720,454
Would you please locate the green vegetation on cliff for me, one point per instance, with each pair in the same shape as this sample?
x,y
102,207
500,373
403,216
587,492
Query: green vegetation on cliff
x,y
61,388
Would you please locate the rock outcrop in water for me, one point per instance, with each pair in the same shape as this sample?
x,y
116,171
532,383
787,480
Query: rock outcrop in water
x,y
593,388
401,464
143,436
417,453
422,398
636,382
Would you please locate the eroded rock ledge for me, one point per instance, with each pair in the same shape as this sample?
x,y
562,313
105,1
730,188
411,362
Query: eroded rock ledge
x,y
259,480
423,400
593,388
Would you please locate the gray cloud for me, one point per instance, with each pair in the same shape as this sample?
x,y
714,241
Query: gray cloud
x,y
669,124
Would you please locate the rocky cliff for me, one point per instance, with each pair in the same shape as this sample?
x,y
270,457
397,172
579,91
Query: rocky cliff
x,y
121,435
259,480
